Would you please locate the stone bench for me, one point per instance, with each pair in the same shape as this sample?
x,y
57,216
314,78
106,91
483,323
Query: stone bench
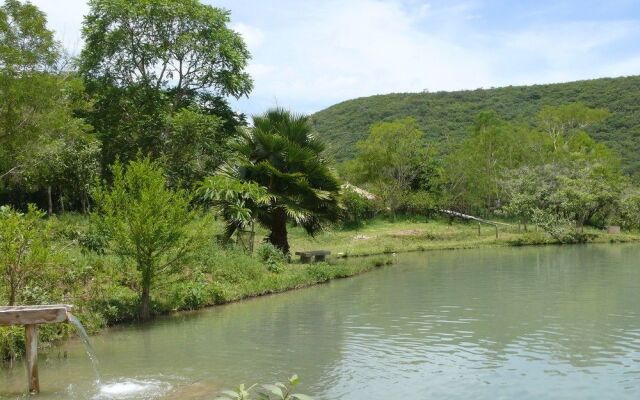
x,y
318,255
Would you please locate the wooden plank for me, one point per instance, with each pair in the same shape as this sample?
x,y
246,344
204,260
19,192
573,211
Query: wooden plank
x,y
31,336
33,315
472,218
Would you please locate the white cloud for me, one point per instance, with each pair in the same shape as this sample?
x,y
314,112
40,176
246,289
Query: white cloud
x,y
366,47
253,37
313,53
65,18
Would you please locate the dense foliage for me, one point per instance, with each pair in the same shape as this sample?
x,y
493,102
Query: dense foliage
x,y
445,117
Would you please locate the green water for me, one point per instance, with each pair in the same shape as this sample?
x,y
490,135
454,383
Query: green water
x,y
513,323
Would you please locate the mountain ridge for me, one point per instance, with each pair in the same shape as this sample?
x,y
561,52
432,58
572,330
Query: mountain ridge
x,y
445,117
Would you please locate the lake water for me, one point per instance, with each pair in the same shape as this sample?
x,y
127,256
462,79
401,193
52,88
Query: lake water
x,y
512,323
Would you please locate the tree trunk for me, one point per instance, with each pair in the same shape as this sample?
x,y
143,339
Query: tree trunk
x,y
87,203
61,202
12,296
278,235
50,199
144,303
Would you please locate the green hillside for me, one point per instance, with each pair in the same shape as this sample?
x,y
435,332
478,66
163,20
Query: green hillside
x,y
446,116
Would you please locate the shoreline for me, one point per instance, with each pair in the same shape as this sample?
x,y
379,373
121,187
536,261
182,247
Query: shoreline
x,y
342,265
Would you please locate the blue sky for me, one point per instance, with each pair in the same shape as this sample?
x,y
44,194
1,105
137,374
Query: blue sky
x,y
310,54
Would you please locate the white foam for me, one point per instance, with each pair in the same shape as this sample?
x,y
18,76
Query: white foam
x,y
131,389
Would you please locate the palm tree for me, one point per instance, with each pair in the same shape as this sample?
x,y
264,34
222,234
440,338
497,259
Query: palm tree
x,y
281,155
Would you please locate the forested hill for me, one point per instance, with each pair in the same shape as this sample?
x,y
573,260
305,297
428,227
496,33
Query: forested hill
x,y
448,115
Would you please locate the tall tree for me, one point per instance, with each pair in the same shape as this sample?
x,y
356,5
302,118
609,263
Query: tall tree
x,y
27,53
147,60
37,106
282,155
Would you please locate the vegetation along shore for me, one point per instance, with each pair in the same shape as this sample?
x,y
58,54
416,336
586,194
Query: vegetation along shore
x,y
129,187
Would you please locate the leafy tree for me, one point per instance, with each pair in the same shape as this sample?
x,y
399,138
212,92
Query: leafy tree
x,y
391,161
38,128
145,222
281,154
195,146
628,215
24,250
475,170
586,191
26,45
558,194
524,192
145,61
27,52
558,121
181,46
235,201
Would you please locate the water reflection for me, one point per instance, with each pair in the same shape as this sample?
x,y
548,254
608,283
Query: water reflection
x,y
552,322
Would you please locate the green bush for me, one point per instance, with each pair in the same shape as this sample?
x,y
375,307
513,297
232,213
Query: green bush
x,y
272,257
319,272
355,208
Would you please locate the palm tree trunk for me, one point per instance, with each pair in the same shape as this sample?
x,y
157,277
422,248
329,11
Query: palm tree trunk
x,y
278,235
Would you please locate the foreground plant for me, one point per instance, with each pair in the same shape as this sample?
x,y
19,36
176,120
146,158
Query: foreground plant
x,y
276,391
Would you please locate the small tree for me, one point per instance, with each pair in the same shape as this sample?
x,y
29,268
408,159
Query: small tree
x,y
24,250
145,222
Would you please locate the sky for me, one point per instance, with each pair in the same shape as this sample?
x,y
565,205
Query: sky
x,y
310,54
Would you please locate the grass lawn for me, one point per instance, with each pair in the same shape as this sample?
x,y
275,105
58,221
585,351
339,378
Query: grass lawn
x,y
384,236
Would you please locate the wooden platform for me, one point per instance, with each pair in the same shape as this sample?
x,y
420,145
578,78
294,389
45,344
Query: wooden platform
x,y
30,317
33,315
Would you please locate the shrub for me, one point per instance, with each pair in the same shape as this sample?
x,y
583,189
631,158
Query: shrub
x,y
355,208
25,251
272,257
319,272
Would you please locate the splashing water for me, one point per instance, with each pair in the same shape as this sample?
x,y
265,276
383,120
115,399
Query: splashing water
x,y
87,344
121,389
132,388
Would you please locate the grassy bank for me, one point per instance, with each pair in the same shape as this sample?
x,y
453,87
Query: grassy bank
x,y
103,290
381,236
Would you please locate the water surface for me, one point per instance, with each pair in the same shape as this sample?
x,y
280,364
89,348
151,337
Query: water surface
x,y
525,323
